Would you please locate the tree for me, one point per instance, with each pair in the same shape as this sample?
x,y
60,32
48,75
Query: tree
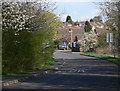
x,y
88,41
97,19
91,20
102,41
68,19
112,12
27,30
15,42
87,27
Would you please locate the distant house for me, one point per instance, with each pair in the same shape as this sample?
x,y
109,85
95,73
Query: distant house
x,y
65,34
78,30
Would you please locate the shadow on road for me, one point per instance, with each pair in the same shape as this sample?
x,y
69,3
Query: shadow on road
x,y
74,81
79,73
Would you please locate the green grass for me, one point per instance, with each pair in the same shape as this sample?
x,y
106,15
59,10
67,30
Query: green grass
x,y
7,74
46,64
103,56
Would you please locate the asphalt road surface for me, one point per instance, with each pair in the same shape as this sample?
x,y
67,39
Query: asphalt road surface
x,y
78,72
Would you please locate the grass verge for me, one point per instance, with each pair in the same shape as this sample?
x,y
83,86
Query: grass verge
x,y
103,56
47,63
8,74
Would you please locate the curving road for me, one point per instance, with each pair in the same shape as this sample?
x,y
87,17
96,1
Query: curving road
x,y
78,72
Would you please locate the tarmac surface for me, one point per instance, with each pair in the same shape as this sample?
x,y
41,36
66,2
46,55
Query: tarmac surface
x,y
73,71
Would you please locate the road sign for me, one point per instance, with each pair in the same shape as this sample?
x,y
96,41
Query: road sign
x,y
109,37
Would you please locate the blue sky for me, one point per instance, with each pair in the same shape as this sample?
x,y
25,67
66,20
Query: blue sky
x,y
79,11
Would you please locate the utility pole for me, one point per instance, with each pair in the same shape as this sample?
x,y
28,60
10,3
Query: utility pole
x,y
70,30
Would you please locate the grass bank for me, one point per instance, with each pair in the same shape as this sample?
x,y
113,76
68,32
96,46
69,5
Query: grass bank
x,y
103,56
46,64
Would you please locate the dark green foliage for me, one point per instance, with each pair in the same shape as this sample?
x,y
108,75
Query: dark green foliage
x,y
91,20
56,42
102,41
68,19
87,27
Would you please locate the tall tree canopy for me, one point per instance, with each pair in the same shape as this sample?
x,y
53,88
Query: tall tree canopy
x,y
91,20
69,19
87,27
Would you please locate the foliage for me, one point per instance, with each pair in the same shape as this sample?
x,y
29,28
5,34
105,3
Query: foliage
x,y
112,11
56,42
102,41
47,63
28,34
87,27
69,19
88,42
91,20
97,19
102,45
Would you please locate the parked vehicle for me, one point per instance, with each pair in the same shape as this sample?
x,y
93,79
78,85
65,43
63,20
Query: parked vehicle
x,y
62,46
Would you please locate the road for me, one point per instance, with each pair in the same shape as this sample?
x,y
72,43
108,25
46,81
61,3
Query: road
x,y
78,72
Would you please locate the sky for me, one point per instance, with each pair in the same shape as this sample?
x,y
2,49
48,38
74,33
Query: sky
x,y
79,11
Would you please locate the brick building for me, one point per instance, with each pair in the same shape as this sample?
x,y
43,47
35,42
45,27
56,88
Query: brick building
x,y
77,28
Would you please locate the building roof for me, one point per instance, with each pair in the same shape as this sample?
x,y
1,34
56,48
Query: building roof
x,y
63,32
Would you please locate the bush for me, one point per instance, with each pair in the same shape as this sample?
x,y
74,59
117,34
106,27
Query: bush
x,y
102,41
25,36
102,45
87,27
